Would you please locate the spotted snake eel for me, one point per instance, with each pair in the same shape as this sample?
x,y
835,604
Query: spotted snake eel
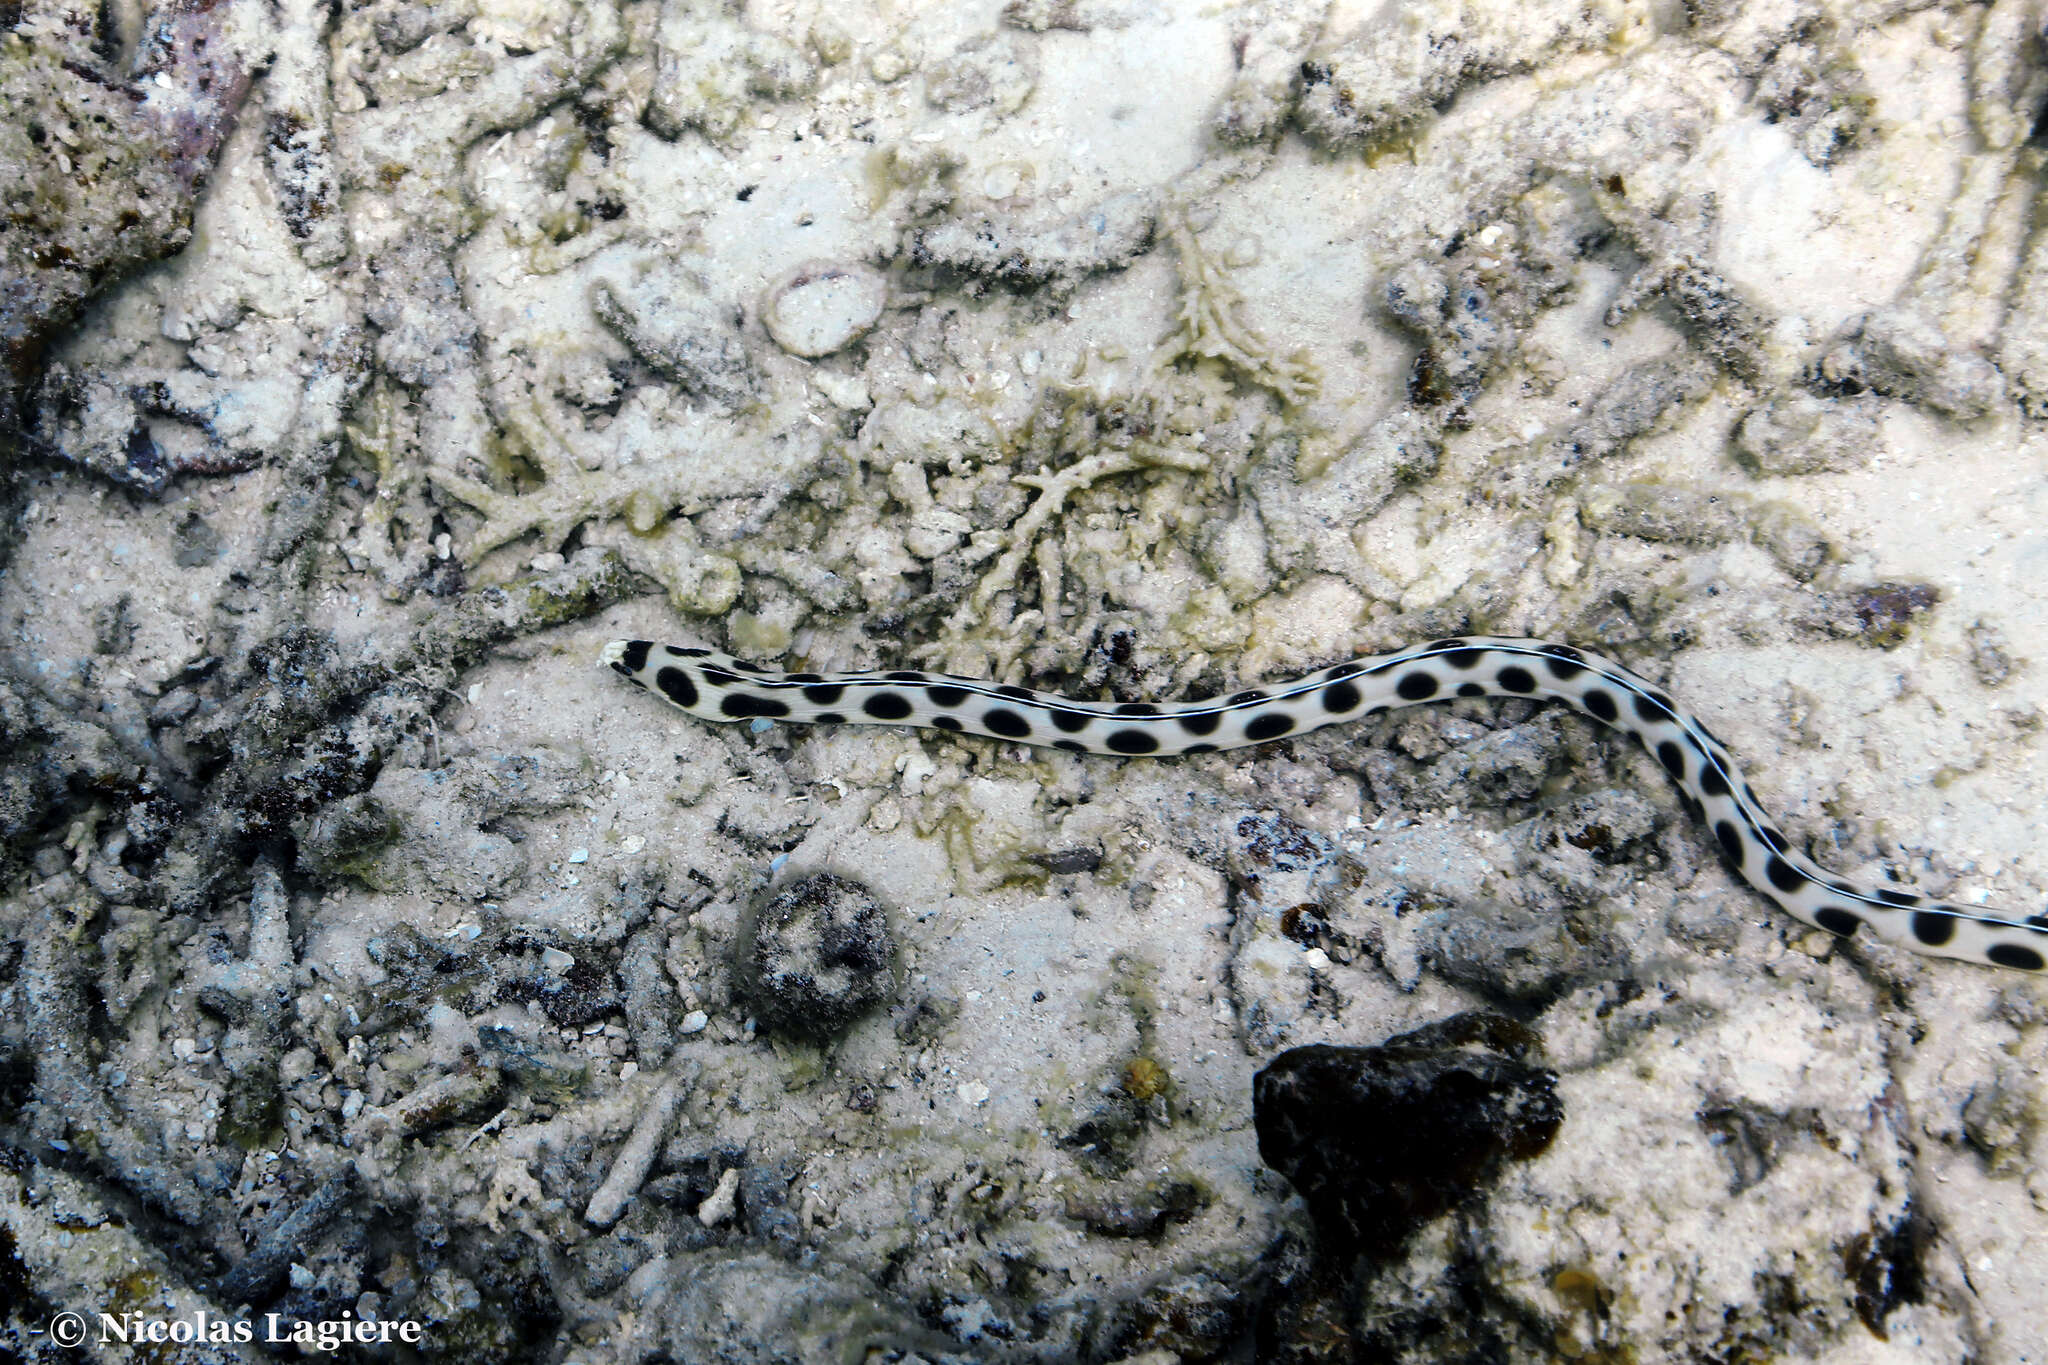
x,y
717,687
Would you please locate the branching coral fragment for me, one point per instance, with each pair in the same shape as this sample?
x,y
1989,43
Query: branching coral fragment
x,y
1213,326
570,496
1416,55
1054,490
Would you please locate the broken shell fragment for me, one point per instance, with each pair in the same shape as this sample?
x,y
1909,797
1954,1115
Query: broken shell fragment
x,y
823,306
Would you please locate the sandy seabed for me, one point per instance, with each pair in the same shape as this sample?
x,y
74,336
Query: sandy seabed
x,y
371,952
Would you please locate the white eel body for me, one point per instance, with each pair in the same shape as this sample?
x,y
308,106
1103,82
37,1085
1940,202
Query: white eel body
x,y
717,687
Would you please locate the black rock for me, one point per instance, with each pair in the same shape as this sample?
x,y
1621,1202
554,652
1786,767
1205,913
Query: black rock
x,y
1380,1139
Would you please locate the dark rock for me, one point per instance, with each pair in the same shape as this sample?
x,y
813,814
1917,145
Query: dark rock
x,y
816,957
580,994
1886,1266
443,578
1380,1139
1106,1142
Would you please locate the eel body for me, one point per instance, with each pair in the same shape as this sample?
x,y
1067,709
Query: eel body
x,y
717,687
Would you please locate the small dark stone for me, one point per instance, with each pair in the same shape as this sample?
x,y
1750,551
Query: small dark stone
x,y
607,1262
151,822
113,628
1885,611
680,1189
223,1004
1105,1143
197,544
1064,861
1378,1140
442,578
816,957
764,1205
1306,924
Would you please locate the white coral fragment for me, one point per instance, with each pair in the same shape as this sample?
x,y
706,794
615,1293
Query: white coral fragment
x,y
1053,491
1395,71
685,463
708,65
995,70
1271,40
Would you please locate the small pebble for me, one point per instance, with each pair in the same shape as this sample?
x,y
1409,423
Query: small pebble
x,y
892,63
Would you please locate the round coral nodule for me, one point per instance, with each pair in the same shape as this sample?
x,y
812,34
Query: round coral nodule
x,y
815,957
823,306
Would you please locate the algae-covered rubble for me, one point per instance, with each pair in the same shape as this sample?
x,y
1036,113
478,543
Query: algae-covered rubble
x,y
369,953
106,137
